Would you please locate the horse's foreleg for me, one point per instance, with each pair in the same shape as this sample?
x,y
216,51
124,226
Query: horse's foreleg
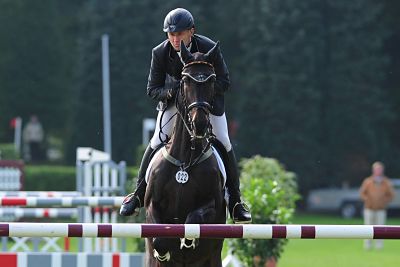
x,y
150,260
204,214
159,248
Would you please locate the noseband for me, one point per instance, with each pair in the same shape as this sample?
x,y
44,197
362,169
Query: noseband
x,y
203,105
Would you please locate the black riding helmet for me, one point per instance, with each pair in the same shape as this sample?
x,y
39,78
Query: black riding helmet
x,y
178,20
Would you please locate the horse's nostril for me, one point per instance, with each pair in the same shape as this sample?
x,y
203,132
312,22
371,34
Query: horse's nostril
x,y
200,123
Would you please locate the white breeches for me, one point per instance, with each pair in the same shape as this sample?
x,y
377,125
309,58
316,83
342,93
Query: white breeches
x,y
219,128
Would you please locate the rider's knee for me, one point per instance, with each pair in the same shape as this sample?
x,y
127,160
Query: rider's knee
x,y
226,143
155,141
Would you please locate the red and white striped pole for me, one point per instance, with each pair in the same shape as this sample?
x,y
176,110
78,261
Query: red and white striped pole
x,y
61,201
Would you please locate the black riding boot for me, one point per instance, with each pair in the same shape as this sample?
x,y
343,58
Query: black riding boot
x,y
134,201
239,211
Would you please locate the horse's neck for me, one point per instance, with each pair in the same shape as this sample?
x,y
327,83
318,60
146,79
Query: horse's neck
x,y
180,145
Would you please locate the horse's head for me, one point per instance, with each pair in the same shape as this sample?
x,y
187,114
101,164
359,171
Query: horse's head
x,y
197,90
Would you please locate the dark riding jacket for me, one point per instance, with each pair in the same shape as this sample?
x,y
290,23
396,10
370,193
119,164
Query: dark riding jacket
x,y
166,68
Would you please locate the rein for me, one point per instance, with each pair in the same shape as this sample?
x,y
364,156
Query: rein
x,y
201,78
187,120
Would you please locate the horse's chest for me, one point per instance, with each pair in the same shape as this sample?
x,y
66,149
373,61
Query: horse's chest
x,y
175,197
174,194
193,188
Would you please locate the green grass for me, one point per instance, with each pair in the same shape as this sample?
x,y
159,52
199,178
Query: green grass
x,y
337,252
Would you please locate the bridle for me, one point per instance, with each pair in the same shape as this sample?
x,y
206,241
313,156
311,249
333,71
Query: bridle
x,y
203,105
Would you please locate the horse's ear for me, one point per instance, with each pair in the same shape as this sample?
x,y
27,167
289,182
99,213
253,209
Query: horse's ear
x,y
185,53
210,56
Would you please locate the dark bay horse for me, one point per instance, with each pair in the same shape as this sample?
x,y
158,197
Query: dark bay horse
x,y
185,184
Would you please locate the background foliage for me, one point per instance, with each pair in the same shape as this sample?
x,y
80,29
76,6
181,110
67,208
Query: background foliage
x,y
7,151
59,178
314,83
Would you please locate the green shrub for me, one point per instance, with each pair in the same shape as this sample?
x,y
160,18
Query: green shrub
x,y
61,178
271,192
50,178
7,151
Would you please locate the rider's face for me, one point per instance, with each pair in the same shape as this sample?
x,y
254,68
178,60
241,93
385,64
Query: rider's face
x,y
175,38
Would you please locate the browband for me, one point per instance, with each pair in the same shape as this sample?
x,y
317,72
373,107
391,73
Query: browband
x,y
200,78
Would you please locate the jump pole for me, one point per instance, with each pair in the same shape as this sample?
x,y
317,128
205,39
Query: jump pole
x,y
61,201
254,231
16,212
40,194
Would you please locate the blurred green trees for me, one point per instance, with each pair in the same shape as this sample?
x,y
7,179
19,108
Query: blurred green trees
x,y
33,72
314,83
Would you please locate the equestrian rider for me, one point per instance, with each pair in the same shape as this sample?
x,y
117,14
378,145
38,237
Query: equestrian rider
x,y
163,83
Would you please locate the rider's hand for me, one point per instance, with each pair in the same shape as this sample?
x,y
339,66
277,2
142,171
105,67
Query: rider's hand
x,y
170,93
173,88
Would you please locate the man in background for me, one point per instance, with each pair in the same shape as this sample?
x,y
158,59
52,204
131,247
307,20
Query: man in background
x,y
377,192
33,135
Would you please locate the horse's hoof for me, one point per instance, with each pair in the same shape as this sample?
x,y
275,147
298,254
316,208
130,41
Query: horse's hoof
x,y
192,243
165,257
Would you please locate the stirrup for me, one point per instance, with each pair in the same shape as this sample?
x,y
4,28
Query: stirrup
x,y
246,208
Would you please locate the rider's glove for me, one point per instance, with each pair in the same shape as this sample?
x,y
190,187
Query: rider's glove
x,y
172,87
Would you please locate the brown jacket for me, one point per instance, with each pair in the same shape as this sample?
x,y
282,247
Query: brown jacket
x,y
376,196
